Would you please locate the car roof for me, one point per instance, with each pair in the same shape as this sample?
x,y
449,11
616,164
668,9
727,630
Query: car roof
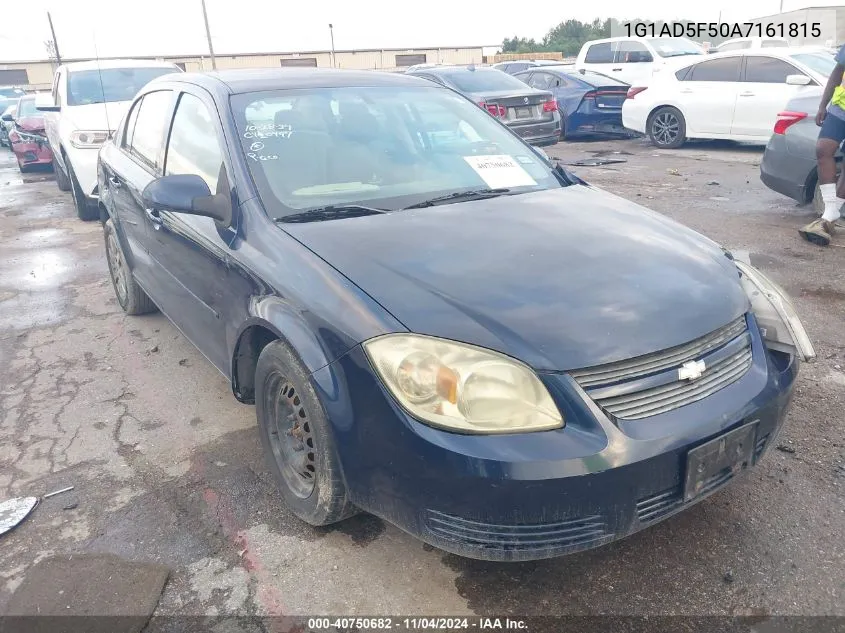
x,y
107,64
260,79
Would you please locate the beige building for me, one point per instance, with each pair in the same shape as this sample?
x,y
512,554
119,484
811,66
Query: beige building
x,y
830,22
38,75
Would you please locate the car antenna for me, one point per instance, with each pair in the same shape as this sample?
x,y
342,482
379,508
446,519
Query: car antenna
x,y
102,88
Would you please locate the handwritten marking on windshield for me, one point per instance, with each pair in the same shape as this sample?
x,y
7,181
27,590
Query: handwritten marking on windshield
x,y
257,146
262,157
268,130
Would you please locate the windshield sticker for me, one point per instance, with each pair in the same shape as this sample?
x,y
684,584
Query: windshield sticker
x,y
525,160
500,170
268,130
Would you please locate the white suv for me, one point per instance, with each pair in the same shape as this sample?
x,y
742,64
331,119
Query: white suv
x,y
633,60
89,100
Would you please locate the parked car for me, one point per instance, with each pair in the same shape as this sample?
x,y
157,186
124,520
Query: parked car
x,y
89,100
635,60
6,122
406,292
789,162
742,43
9,95
733,96
518,65
27,136
588,102
530,113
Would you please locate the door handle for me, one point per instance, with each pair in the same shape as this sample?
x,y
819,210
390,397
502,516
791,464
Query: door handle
x,y
746,94
114,181
154,217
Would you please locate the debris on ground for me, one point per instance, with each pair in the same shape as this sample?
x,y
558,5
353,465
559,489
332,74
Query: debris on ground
x,y
712,182
184,362
71,506
596,162
783,448
13,511
728,577
673,172
57,492
153,349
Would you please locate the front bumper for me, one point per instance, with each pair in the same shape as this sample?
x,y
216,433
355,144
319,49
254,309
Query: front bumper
x,y
84,165
32,153
535,495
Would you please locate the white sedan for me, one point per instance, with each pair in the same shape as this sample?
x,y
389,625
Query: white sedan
x,y
735,95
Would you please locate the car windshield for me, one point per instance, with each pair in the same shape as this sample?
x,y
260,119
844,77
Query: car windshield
x,y
488,80
118,84
11,92
818,62
26,107
675,47
384,147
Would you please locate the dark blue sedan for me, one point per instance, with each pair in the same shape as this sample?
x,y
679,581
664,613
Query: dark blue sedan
x,y
589,102
432,319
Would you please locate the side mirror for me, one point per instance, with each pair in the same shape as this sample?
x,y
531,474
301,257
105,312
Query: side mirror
x,y
188,193
48,108
8,117
798,80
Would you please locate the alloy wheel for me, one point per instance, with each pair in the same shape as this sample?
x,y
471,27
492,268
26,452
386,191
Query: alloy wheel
x,y
117,268
665,128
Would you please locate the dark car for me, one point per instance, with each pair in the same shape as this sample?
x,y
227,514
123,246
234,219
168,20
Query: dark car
x,y
7,122
588,102
530,113
518,65
27,137
408,293
789,162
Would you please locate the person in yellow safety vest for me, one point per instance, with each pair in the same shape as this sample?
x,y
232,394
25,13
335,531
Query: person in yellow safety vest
x,y
831,119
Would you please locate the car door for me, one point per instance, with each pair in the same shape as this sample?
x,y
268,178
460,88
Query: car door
x,y
138,162
633,63
763,94
51,119
192,253
707,95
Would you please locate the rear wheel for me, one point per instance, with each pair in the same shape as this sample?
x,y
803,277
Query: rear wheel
x,y
667,128
129,295
84,210
297,439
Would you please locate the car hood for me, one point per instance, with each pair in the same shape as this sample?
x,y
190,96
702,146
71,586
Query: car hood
x,y
31,124
96,116
561,279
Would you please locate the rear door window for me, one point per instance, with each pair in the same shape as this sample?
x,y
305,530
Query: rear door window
x,y
768,70
151,123
631,52
724,69
540,81
599,54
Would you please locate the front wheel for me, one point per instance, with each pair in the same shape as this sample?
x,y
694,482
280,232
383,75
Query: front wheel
x,y
297,438
62,181
84,210
667,128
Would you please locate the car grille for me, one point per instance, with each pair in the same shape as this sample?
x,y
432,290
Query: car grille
x,y
563,535
649,385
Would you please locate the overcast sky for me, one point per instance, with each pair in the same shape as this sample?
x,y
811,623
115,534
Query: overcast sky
x,y
157,27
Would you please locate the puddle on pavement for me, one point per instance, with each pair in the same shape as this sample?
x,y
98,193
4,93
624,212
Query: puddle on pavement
x,y
38,269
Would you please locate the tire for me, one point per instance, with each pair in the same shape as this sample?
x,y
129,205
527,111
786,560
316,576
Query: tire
x,y
309,480
62,181
129,295
562,129
84,210
667,128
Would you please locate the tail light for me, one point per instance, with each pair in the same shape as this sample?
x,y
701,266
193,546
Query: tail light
x,y
493,108
550,106
589,95
787,118
633,91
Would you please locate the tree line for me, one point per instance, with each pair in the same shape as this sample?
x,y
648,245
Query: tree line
x,y
568,37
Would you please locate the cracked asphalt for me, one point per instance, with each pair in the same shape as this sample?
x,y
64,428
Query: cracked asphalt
x,y
167,466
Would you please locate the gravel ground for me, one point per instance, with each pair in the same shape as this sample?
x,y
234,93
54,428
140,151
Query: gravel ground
x,y
167,465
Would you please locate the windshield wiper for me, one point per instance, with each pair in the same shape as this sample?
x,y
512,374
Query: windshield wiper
x,y
460,196
332,212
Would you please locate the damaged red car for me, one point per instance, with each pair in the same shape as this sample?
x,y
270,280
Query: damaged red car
x,y
27,137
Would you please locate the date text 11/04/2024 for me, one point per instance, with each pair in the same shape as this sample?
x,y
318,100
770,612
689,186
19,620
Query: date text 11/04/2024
x,y
698,30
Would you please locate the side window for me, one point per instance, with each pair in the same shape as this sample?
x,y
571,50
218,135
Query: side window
x,y
55,89
129,128
193,147
503,67
631,52
540,81
769,70
150,125
557,82
599,54
724,69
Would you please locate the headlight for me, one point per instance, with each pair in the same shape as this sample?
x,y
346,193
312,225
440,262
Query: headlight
x,y
779,323
460,387
86,139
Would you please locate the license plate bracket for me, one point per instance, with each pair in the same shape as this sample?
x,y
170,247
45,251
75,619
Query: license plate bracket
x,y
718,460
523,113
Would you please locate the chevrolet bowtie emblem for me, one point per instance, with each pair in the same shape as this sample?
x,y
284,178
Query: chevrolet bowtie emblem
x,y
691,370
